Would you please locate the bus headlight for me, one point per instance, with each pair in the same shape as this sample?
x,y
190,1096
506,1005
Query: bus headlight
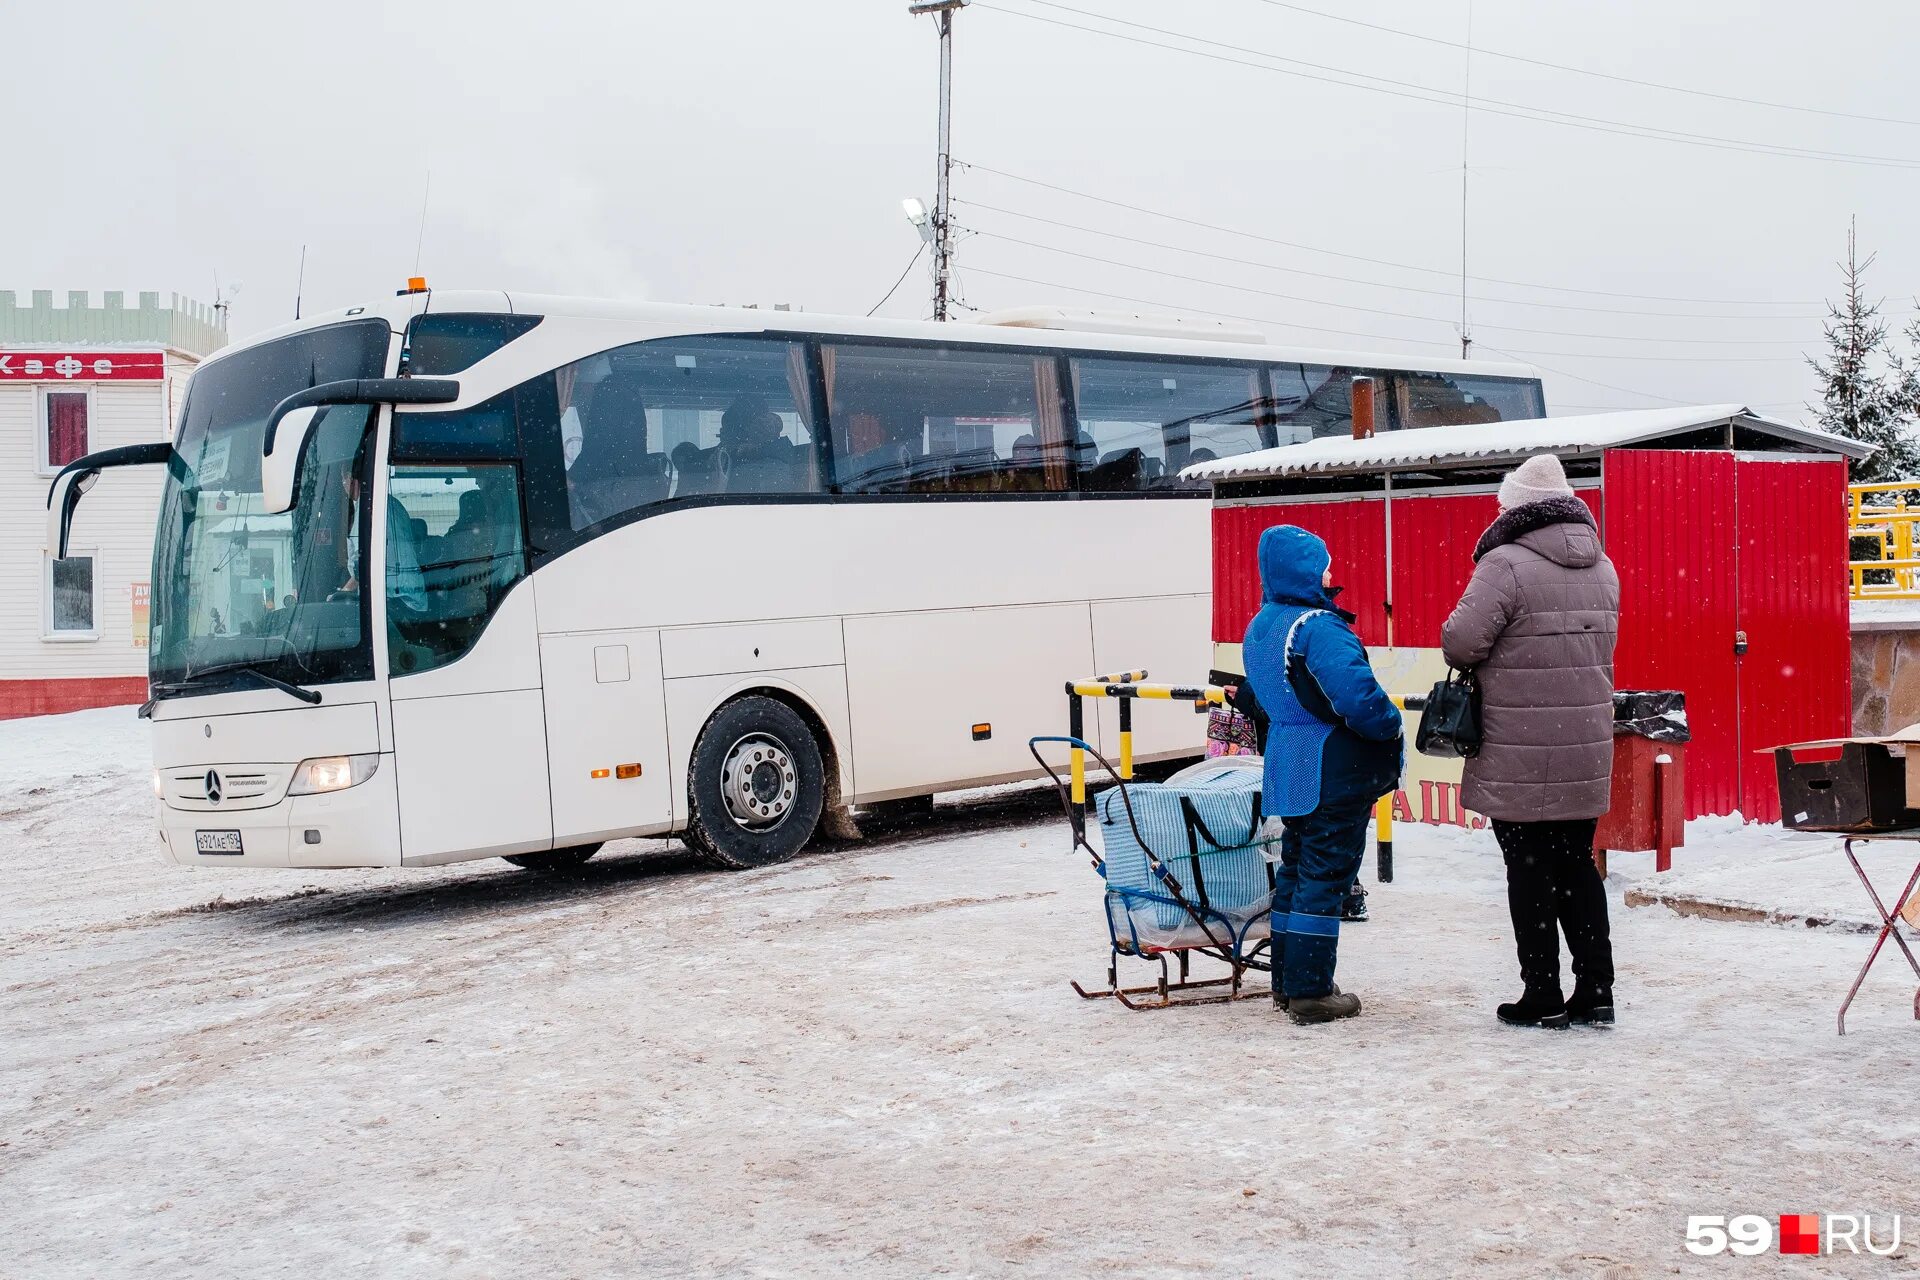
x,y
332,773
159,787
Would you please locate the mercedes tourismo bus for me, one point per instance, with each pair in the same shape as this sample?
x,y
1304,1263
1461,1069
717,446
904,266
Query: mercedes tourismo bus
x,y
467,575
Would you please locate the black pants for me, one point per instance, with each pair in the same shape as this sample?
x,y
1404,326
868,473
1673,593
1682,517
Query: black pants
x,y
1554,888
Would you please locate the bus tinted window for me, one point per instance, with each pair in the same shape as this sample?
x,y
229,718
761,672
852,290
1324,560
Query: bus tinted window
x,y
685,417
1312,400
927,419
454,547
484,431
1141,421
450,341
1450,399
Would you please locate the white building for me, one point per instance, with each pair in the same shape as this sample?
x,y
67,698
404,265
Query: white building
x,y
75,380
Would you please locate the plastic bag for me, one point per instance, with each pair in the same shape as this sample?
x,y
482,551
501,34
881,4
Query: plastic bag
x,y
1659,714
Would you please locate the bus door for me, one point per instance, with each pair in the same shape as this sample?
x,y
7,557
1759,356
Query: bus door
x,y
469,729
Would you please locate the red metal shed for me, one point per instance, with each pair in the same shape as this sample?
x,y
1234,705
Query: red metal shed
x,y
1728,529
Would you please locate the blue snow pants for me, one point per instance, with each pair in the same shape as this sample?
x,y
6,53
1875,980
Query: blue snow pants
x,y
1320,854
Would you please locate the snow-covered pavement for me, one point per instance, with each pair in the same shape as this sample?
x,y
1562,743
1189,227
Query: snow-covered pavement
x,y
868,1062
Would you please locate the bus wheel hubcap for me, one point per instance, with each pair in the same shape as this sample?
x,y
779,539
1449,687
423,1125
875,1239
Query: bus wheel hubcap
x,y
758,782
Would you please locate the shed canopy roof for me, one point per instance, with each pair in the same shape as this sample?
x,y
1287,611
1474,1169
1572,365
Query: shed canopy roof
x,y
1505,441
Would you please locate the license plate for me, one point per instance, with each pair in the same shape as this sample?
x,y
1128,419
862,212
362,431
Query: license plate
x,y
217,841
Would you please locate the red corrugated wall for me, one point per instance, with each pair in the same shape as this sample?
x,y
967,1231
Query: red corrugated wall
x,y
1796,681
1356,534
1705,546
1433,541
1671,532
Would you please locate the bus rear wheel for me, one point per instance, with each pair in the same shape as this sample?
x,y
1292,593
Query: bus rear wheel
x,y
554,860
758,785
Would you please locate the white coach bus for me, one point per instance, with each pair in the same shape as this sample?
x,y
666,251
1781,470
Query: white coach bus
x,y
468,575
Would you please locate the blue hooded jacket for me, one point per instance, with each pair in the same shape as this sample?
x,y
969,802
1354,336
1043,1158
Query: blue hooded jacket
x,y
1333,732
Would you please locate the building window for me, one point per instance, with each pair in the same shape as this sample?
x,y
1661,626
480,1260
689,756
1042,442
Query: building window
x,y
64,416
71,602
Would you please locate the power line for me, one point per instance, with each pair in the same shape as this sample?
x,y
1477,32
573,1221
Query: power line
x,y
1383,262
902,280
1377,311
1562,373
1586,71
1374,337
1427,94
1220,315
1371,284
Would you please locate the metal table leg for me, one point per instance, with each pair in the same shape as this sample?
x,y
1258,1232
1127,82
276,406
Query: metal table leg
x,y
1889,928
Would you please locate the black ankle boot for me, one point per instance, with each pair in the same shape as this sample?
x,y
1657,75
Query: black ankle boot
x,y
1537,1008
1591,1006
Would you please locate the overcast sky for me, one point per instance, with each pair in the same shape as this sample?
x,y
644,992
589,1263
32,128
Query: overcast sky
x,y
757,151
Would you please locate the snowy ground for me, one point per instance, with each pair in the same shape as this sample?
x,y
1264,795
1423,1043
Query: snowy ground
x,y
868,1062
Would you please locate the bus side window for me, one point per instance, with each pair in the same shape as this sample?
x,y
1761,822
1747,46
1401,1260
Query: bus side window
x,y
929,419
1311,401
683,418
1446,400
1142,421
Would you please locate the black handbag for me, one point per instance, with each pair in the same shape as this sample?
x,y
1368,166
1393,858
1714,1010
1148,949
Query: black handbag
x,y
1450,722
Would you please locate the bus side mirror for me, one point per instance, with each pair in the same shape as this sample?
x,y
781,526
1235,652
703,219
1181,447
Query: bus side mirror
x,y
67,489
63,495
280,468
290,424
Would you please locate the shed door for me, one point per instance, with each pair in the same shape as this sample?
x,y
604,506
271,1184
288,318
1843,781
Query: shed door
x,y
1796,677
1710,545
1672,534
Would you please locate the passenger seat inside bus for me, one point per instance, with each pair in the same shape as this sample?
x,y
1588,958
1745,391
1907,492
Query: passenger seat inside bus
x,y
607,481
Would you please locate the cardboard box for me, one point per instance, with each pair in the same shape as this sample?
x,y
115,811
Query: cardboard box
x,y
1857,785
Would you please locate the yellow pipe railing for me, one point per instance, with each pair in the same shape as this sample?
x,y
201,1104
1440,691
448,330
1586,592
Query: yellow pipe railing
x,y
1891,526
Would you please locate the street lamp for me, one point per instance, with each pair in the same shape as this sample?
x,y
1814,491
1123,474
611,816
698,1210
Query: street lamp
x,y
917,215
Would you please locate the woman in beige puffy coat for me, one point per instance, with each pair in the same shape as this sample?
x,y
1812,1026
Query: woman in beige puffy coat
x,y
1537,626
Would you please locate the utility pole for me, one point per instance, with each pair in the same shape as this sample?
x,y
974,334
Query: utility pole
x,y
943,11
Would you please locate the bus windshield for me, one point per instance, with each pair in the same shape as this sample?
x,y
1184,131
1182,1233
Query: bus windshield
x,y
236,587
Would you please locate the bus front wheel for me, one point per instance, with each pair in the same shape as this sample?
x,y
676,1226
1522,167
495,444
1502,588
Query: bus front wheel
x,y
758,785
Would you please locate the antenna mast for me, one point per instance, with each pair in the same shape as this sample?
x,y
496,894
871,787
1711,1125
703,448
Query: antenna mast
x,y
426,192
1466,115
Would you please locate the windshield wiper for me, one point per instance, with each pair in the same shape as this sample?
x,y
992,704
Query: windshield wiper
x,y
197,678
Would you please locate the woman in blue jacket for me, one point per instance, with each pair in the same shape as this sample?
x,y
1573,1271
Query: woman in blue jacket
x,y
1333,748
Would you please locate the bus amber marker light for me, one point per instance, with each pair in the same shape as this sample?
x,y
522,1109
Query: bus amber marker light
x,y
626,771
332,773
601,773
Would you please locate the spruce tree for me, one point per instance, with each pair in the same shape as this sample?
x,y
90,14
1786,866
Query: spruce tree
x,y
1866,392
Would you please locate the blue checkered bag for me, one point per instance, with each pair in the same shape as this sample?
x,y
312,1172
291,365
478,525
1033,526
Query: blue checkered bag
x,y
1204,828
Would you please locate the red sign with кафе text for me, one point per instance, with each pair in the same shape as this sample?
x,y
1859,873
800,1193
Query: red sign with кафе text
x,y
82,366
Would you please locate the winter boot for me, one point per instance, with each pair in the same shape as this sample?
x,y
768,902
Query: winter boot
x,y
1336,1004
1355,907
1537,1008
1280,999
1590,1007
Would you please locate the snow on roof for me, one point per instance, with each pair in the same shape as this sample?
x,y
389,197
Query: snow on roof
x,y
1441,446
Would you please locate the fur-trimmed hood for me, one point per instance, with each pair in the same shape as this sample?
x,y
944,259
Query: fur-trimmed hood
x,y
1515,526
